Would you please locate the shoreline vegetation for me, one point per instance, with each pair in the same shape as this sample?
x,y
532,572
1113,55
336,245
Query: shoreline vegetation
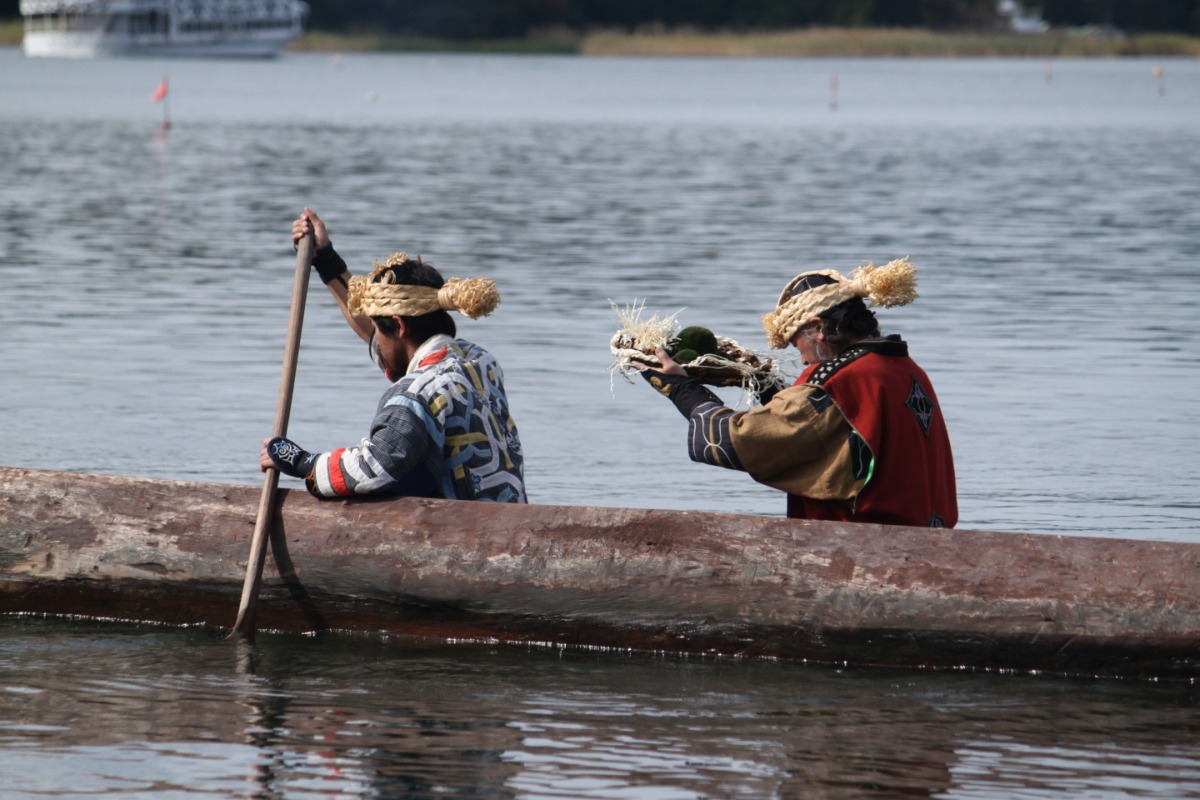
x,y
803,43
879,42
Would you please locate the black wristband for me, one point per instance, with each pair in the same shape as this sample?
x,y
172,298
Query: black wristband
x,y
328,264
685,392
289,458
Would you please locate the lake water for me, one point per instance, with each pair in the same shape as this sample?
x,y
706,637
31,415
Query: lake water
x,y
144,283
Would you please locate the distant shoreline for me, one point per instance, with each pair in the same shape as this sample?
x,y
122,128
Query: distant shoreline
x,y
805,43
889,43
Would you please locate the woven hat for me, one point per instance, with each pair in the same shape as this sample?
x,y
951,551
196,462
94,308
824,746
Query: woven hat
x,y
893,284
380,295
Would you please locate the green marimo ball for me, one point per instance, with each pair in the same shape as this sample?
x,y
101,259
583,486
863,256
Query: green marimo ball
x,y
685,356
701,340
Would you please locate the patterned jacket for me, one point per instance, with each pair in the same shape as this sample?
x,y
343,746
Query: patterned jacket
x,y
442,430
859,437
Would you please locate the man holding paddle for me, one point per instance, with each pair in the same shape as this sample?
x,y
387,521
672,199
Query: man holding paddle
x,y
860,436
443,428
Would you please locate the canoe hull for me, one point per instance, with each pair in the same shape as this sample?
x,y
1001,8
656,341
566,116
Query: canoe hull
x,y
173,552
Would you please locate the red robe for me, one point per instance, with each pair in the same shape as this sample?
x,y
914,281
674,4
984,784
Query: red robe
x,y
889,401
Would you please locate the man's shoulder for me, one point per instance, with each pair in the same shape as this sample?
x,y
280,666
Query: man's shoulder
x,y
797,394
471,356
866,356
890,346
471,351
447,359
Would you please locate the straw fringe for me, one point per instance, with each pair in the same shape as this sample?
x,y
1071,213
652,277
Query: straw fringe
x,y
475,297
773,325
893,284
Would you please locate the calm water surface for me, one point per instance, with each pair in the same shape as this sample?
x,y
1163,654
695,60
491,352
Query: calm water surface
x,y
324,718
144,282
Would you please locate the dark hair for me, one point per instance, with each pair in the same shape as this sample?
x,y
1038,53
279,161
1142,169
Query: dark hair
x,y
847,323
415,272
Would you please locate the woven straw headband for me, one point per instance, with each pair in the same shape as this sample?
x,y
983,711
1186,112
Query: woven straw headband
x,y
474,297
893,284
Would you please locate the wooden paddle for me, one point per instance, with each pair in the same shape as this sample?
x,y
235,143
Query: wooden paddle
x,y
243,627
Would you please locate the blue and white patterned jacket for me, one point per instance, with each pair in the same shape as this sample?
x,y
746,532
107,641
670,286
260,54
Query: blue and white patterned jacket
x,y
443,430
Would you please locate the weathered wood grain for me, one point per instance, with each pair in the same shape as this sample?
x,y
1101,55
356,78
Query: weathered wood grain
x,y
690,582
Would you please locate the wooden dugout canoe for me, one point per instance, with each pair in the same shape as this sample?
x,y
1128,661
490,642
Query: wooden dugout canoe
x,y
174,552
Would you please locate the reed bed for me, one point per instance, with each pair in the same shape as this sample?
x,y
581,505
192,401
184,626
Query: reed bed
x,y
875,42
11,32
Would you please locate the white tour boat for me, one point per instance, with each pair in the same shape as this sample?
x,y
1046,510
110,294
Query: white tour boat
x,y
86,28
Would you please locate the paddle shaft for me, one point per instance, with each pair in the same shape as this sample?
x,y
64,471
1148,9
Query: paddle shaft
x,y
244,625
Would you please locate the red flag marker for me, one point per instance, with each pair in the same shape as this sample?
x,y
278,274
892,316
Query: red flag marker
x,y
160,96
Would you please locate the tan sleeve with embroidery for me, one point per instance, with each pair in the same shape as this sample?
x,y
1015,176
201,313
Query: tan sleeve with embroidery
x,y
788,444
